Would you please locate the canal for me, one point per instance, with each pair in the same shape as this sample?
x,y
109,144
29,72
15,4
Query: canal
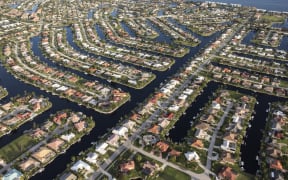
x,y
103,122
251,145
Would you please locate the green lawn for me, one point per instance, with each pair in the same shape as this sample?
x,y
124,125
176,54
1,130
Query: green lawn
x,y
15,148
245,176
172,174
270,18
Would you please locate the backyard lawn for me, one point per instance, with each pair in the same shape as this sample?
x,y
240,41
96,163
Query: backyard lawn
x,y
172,174
15,148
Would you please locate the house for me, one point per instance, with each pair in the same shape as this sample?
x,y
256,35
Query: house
x,y
276,164
229,142
149,168
128,166
59,117
68,137
121,131
201,134
155,129
203,126
210,119
43,154
227,173
102,148
216,105
197,144
190,156
28,165
129,124
81,165
56,144
173,152
164,123
12,174
163,147
235,118
74,118
68,176
80,126
92,157
150,139
228,158
38,133
273,152
113,140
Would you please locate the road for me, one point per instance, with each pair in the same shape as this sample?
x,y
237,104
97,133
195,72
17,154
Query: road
x,y
213,138
57,131
157,112
166,163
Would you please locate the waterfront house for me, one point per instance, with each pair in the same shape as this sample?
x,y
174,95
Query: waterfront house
x,y
68,137
29,164
229,142
59,117
102,148
80,126
120,131
276,164
56,144
68,176
92,158
155,129
81,165
13,174
113,140
43,154
228,158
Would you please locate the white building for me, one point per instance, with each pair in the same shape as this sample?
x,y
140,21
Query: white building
x,y
190,156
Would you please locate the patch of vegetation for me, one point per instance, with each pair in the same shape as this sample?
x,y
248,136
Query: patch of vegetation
x,y
171,174
272,18
15,148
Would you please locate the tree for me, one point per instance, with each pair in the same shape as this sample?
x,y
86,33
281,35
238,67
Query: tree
x,y
138,157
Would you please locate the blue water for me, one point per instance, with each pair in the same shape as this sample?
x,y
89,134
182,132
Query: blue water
x,y
272,5
90,14
33,10
114,13
282,25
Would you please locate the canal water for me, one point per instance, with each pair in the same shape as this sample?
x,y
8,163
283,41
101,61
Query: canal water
x,y
103,122
251,147
271,5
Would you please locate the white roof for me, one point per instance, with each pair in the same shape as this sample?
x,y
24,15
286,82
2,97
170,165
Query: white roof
x,y
102,148
129,124
80,165
92,157
192,156
68,137
121,131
